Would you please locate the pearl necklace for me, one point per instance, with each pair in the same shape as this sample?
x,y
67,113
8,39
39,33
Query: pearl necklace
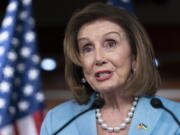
x,y
122,125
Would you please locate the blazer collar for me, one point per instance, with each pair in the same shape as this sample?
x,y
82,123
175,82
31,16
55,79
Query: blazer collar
x,y
145,118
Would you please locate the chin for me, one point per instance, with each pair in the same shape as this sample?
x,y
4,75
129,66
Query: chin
x,y
106,89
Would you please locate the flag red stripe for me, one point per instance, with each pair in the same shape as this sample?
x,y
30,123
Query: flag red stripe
x,y
16,129
38,118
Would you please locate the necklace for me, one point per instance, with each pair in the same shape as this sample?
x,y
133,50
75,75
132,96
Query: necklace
x,y
123,125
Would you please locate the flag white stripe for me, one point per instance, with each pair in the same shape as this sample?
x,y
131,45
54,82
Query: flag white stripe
x,y
7,130
26,126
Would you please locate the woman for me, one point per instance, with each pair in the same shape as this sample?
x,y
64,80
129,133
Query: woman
x,y
108,52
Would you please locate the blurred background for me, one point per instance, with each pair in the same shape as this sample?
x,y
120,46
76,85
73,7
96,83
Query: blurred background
x,y
159,17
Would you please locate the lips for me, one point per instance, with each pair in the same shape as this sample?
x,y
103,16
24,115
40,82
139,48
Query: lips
x,y
103,75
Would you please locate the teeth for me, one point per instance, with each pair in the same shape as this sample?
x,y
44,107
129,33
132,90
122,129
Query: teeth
x,y
103,74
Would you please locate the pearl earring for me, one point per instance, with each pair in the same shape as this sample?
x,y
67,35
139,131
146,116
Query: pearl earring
x,y
134,69
83,80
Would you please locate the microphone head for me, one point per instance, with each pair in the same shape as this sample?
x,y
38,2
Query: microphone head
x,y
156,103
98,103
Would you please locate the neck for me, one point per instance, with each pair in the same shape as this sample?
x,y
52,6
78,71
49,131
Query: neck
x,y
116,101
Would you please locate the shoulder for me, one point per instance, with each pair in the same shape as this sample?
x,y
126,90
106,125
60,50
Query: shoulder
x,y
164,100
167,103
57,116
171,105
66,110
71,107
68,107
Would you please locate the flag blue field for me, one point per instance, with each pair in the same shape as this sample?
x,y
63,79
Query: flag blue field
x,y
126,4
21,96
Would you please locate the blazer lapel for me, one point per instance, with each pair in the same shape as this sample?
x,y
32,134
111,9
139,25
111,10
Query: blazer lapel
x,y
144,119
86,124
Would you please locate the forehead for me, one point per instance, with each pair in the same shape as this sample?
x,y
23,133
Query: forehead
x,y
100,26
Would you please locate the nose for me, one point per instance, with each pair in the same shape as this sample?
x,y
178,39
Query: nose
x,y
100,58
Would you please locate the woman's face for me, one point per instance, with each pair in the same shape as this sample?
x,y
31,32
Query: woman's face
x,y
105,55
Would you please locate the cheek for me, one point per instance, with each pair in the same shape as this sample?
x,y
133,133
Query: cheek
x,y
122,62
118,59
87,65
121,56
125,66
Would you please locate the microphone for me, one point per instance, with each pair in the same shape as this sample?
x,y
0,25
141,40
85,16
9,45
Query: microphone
x,y
156,103
98,103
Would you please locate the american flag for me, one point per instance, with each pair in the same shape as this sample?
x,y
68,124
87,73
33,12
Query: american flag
x,y
21,97
126,4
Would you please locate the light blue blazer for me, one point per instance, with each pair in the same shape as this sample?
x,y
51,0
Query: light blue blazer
x,y
156,121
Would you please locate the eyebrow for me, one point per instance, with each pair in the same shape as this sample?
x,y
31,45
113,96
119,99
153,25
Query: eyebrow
x,y
82,39
86,39
113,32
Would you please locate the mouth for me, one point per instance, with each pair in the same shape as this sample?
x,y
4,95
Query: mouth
x,y
103,75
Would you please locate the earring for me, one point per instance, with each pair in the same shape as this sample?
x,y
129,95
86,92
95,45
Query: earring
x,y
134,66
134,69
97,94
83,80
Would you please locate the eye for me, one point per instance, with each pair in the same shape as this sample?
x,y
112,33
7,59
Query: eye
x,y
87,48
110,43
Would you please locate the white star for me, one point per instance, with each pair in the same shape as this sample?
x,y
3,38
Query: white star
x,y
28,89
7,21
23,105
26,2
12,110
2,50
2,103
4,36
40,96
20,67
8,71
36,59
4,86
15,41
33,74
23,15
25,52
12,56
29,36
12,6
